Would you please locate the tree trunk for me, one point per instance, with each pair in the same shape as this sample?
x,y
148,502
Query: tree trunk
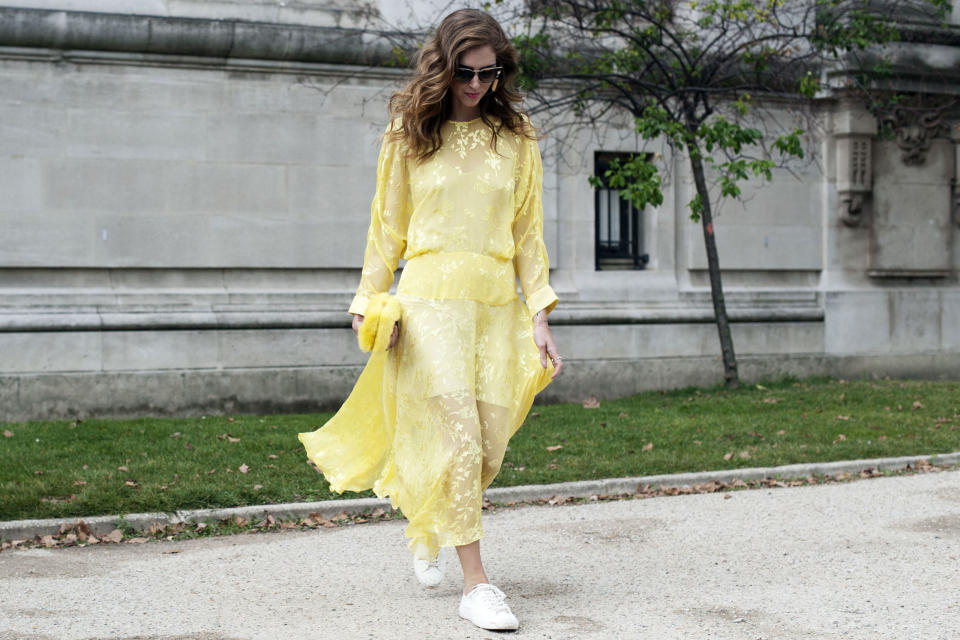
x,y
730,374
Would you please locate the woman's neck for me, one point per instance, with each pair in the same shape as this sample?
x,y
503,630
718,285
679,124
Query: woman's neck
x,y
459,113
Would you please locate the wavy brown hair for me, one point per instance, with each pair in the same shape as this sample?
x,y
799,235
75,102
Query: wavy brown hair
x,y
425,103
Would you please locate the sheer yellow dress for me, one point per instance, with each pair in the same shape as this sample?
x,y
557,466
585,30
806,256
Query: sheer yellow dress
x,y
428,421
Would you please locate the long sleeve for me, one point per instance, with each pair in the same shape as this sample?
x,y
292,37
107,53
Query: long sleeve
x,y
530,260
389,216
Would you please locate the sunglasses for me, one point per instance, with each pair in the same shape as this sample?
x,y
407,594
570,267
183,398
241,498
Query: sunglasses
x,y
487,74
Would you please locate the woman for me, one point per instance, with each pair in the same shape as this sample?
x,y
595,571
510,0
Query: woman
x,y
459,197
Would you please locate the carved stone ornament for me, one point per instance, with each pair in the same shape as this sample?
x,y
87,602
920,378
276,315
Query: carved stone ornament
x,y
851,209
915,129
854,176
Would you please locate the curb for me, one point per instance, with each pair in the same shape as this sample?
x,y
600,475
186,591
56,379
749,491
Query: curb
x,y
99,525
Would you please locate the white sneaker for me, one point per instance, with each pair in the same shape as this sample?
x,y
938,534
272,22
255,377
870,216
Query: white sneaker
x,y
430,572
486,607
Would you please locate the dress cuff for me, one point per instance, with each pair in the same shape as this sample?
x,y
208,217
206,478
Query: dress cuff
x,y
542,299
359,304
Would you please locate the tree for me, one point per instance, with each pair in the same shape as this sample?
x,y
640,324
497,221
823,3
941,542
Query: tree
x,y
691,72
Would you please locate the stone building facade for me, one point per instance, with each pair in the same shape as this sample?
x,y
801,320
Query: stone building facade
x,y
185,188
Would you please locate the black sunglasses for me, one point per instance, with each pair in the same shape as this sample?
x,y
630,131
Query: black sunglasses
x,y
487,74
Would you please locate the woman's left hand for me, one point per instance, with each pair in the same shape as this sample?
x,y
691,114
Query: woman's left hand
x,y
544,341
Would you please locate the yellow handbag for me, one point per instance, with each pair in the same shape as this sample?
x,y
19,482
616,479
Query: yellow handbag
x,y
383,311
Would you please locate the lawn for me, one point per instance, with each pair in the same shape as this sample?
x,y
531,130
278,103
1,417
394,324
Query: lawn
x,y
94,467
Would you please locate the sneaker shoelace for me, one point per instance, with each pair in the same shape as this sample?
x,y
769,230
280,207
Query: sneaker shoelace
x,y
493,598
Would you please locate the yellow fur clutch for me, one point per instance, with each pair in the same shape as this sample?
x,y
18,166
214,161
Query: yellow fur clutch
x,y
383,311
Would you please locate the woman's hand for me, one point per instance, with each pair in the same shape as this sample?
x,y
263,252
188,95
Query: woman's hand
x,y
358,320
544,341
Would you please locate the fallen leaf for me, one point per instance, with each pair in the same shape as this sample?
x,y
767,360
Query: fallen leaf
x,y
917,404
771,400
137,540
535,414
727,496
201,526
114,536
270,520
376,513
647,447
7,433
243,468
781,432
622,414
745,454
232,439
175,435
130,483
591,403
174,551
272,456
257,487
79,483
124,468
843,417
841,437
555,447
727,456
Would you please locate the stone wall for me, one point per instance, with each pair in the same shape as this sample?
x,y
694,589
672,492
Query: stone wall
x,y
184,203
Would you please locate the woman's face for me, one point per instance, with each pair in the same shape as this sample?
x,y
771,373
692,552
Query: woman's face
x,y
468,94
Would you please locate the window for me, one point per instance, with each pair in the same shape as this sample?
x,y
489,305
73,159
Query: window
x,y
619,225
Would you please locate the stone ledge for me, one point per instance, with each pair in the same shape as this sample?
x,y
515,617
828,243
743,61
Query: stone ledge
x,y
200,319
199,37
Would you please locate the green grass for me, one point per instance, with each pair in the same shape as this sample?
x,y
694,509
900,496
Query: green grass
x,y
67,469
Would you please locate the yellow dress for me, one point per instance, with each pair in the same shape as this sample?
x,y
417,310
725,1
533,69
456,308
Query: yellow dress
x,y
428,421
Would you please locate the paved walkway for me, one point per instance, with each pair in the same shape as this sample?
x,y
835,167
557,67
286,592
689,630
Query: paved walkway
x,y
871,559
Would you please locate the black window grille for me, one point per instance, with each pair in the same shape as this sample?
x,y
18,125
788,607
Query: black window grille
x,y
619,225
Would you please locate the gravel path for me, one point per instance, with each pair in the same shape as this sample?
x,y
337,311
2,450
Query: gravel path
x,y
871,559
